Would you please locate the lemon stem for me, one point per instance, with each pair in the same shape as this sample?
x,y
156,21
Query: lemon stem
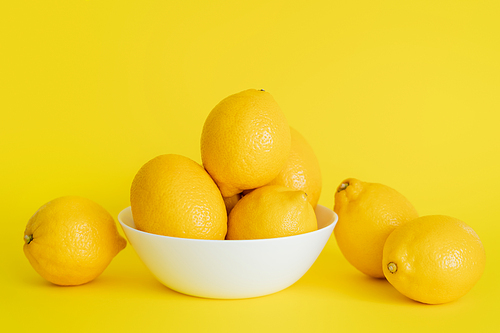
x,y
392,267
343,186
28,238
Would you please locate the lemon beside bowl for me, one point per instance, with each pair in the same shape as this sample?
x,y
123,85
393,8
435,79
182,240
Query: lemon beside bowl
x,y
229,269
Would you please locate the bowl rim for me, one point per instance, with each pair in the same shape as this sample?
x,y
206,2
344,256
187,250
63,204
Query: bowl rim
x,y
331,225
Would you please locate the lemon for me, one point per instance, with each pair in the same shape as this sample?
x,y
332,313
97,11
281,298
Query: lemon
x,y
270,212
230,202
71,240
301,171
245,141
433,259
368,213
173,195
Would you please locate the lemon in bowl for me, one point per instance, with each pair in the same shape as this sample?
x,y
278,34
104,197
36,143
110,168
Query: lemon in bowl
x,y
229,269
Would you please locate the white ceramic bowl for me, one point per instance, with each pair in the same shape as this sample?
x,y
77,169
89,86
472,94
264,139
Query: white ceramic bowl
x,y
229,269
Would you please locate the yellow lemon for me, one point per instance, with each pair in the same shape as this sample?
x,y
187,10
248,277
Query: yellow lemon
x,y
71,240
433,259
270,212
173,195
368,213
301,170
230,202
245,141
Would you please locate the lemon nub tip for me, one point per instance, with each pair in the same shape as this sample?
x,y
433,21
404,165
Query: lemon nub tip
x,y
392,267
28,238
299,195
343,186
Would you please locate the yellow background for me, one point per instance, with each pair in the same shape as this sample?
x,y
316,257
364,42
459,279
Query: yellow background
x,y
404,93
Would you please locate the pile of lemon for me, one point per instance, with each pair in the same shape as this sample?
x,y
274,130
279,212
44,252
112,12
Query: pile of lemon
x,y
253,183
260,178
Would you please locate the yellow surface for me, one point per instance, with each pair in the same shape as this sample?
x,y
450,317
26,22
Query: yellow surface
x,y
404,93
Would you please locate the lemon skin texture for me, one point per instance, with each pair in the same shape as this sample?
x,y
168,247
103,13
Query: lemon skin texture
x,y
434,259
245,141
270,212
71,240
368,213
302,170
172,195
